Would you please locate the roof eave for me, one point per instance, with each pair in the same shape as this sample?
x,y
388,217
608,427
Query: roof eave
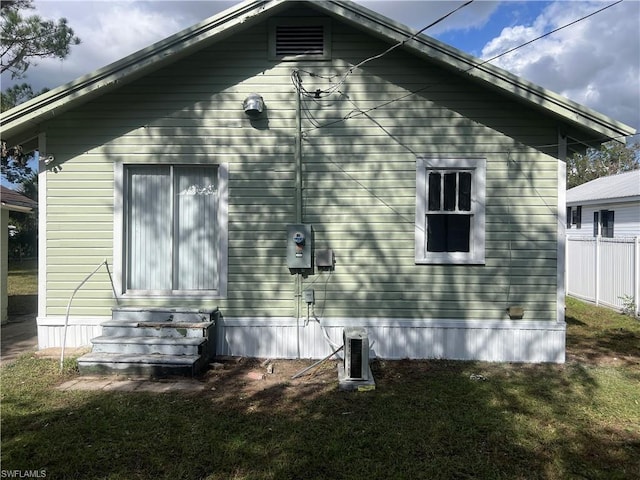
x,y
15,208
602,201
582,123
30,114
580,118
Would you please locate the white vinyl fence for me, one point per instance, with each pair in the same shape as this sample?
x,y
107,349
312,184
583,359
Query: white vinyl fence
x,y
604,270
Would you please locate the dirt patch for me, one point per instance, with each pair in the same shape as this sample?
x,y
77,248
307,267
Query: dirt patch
x,y
595,357
250,377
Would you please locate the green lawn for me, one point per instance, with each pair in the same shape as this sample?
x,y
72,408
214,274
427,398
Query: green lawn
x,y
425,420
22,278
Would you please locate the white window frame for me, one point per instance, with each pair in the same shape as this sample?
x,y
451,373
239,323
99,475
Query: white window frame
x,y
476,253
119,235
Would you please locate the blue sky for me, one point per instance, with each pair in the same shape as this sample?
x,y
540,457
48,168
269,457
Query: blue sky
x,y
596,62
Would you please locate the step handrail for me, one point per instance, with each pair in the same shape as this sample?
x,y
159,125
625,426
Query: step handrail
x,y
66,317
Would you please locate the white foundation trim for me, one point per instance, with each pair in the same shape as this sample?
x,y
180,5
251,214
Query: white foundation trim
x,y
395,338
80,331
531,341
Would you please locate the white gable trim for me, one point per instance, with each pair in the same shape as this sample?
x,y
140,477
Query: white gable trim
x,y
50,104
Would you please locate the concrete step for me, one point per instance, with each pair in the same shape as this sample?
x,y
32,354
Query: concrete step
x,y
150,345
153,341
154,365
151,314
114,328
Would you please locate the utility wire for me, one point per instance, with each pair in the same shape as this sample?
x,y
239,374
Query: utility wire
x,y
353,114
297,81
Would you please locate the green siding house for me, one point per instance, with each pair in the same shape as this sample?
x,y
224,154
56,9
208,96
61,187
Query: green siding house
x,y
270,166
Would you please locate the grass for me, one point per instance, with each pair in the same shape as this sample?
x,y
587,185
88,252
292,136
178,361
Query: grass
x,y
22,278
425,420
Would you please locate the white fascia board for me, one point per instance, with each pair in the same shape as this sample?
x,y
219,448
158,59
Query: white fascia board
x,y
31,113
571,112
136,65
603,201
15,208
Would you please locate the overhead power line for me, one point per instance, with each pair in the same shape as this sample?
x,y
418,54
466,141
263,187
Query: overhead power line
x,y
319,93
360,112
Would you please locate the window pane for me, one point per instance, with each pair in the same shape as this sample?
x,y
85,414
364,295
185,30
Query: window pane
x,y
458,227
434,191
464,191
606,220
148,229
448,233
450,191
436,233
196,233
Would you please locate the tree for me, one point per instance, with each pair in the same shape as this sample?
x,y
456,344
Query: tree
x,y
25,39
16,95
611,158
22,41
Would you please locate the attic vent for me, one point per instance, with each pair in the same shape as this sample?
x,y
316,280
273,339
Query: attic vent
x,y
296,38
299,40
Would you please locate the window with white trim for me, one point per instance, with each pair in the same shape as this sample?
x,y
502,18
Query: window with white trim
x,y
450,210
173,234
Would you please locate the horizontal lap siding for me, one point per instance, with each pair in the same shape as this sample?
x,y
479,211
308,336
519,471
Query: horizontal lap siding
x,y
359,193
172,117
358,182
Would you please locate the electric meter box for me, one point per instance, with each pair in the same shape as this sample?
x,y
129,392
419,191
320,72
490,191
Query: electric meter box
x,y
299,248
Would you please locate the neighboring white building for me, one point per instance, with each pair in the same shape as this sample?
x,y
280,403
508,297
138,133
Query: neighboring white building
x,y
606,206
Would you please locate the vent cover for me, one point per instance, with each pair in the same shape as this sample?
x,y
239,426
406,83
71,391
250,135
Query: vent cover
x,y
295,38
299,40
356,354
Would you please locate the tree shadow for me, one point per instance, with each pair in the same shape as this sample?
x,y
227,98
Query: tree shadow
x,y
426,419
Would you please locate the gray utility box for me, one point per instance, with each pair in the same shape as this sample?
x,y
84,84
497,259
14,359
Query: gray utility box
x,y
299,247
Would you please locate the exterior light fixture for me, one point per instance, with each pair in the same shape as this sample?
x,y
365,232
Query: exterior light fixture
x,y
253,105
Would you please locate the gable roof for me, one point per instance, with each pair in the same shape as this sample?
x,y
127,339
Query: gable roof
x,y
623,186
14,201
583,124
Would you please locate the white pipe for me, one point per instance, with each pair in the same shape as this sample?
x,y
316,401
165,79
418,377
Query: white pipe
x,y
66,317
303,371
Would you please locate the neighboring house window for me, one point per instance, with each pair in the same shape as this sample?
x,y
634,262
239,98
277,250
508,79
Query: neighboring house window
x,y
603,223
450,210
576,219
174,237
299,38
606,223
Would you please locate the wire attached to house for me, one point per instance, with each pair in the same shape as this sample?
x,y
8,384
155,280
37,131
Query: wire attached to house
x,y
319,93
353,114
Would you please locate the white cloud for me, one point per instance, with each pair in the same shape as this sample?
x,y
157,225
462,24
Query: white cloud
x,y
595,62
111,30
419,14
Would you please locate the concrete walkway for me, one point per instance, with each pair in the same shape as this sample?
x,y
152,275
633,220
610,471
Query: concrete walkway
x,y
116,384
18,336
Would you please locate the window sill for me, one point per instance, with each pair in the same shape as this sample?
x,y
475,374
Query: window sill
x,y
445,260
204,294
